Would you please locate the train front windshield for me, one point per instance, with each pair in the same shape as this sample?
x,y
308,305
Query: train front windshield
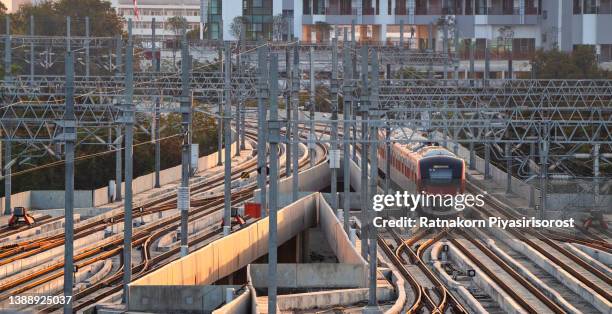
x,y
441,168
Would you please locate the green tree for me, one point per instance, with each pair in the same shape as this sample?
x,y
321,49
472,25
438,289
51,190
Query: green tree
x,y
579,64
50,18
177,24
236,26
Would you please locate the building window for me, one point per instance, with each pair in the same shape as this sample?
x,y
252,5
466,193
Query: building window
x,y
306,7
590,7
469,9
523,48
606,53
605,6
531,7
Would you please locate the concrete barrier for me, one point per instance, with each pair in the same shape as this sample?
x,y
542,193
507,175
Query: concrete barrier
x,y
17,199
587,258
336,237
315,275
603,257
172,299
240,304
330,298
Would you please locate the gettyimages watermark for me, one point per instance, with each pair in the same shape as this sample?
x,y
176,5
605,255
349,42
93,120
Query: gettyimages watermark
x,y
458,202
447,211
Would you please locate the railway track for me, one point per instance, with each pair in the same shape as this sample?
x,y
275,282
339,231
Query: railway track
x,y
146,241
584,272
442,300
521,290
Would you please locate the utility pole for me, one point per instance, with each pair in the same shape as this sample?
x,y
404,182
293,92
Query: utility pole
x,y
346,135
262,88
128,120
334,157
8,63
295,101
487,64
7,146
240,144
401,26
472,70
32,50
118,129
311,136
69,137
354,72
220,106
184,195
274,138
87,69
363,108
508,153
373,189
532,149
227,120
288,97
445,48
157,135
544,147
430,48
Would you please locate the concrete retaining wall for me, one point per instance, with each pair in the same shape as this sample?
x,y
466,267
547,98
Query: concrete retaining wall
x,y
18,199
330,298
48,199
86,198
317,275
226,255
173,299
336,237
240,305
602,257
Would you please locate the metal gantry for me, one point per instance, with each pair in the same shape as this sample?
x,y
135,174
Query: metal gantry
x,y
553,118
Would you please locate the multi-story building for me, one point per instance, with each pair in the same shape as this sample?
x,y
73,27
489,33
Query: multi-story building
x,y
520,25
162,11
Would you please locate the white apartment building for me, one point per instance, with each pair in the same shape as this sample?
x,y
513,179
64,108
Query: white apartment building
x,y
527,24
161,11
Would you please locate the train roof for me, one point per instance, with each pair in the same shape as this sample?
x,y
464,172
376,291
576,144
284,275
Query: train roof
x,y
421,145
